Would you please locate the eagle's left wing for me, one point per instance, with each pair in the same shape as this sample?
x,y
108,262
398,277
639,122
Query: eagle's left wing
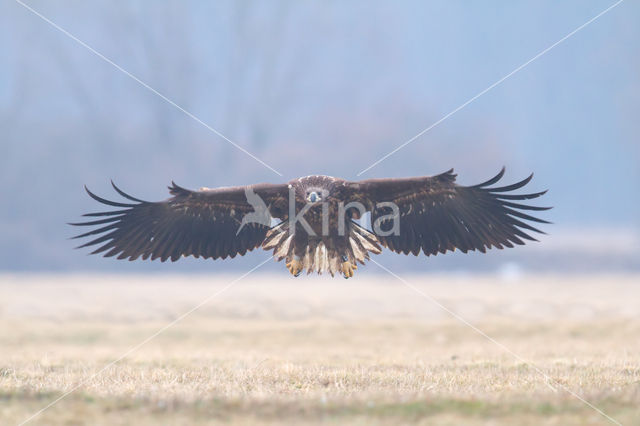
x,y
437,215
205,223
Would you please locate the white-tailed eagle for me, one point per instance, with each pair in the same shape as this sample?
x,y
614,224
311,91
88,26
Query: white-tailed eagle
x,y
315,228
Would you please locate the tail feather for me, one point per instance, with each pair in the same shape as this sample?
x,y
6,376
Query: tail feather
x,y
361,242
308,259
322,255
279,239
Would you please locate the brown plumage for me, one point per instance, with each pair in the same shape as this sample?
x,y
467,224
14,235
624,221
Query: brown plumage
x,y
434,214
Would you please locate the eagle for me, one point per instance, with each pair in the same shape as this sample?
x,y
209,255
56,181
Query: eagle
x,y
312,222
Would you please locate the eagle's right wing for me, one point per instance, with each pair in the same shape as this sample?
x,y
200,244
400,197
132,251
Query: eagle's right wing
x,y
437,215
201,223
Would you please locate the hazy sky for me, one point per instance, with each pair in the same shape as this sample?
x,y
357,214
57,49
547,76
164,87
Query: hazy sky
x,y
312,87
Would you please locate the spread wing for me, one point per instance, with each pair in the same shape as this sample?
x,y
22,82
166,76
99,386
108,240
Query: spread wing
x,y
191,223
437,215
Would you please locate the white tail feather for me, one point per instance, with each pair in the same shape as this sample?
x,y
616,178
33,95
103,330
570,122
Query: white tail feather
x,y
322,255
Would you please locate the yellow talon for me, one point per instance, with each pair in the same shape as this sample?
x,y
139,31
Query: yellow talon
x,y
295,267
347,269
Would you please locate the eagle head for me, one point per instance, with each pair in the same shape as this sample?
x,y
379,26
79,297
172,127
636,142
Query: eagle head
x,y
315,195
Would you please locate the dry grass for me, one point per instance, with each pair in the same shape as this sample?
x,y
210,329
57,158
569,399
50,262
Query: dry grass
x,y
278,350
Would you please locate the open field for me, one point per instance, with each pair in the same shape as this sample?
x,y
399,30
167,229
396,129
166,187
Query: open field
x,y
273,349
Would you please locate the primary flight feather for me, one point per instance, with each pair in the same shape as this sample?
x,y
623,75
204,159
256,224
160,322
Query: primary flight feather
x,y
315,227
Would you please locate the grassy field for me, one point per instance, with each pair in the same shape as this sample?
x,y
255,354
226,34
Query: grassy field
x,y
272,349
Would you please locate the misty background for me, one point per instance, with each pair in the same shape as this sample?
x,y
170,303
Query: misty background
x,y
320,88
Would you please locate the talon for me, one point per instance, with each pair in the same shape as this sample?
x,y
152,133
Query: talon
x,y
295,267
347,268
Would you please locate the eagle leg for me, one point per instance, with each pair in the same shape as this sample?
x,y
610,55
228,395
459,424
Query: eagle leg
x,y
294,266
347,268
